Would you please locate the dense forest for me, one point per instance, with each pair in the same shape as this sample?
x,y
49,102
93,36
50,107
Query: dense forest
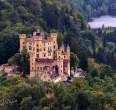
x,y
92,50
97,91
25,16
95,8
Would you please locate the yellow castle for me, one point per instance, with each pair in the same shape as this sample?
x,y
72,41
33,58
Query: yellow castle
x,y
47,61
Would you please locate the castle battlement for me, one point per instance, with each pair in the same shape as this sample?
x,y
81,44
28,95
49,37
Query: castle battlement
x,y
47,61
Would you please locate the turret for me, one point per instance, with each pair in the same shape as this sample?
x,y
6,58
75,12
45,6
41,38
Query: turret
x,y
22,38
54,35
68,51
68,54
62,48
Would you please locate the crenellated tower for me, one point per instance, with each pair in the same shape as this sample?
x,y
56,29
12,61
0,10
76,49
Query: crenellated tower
x,y
22,38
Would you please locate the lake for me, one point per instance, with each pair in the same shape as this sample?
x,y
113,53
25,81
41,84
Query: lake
x,y
107,21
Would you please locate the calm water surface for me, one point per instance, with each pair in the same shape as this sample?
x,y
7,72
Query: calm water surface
x,y
107,21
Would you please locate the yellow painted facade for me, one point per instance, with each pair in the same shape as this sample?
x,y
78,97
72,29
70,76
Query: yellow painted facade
x,y
47,61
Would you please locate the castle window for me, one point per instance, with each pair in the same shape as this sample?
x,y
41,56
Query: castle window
x,y
45,68
44,55
32,68
37,55
40,49
37,50
37,68
44,49
30,48
54,46
40,68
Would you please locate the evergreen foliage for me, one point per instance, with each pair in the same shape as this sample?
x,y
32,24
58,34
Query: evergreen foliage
x,y
92,93
95,8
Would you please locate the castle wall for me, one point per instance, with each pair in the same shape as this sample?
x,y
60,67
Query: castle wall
x,y
45,56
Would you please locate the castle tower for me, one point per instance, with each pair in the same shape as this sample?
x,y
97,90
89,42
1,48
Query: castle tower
x,y
62,48
68,51
22,41
68,54
54,39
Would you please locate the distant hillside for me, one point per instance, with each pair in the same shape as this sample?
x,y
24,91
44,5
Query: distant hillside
x,y
112,7
25,16
17,16
94,8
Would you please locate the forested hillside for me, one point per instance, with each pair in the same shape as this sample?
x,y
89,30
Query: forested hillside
x,y
95,8
27,15
24,16
97,92
89,50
